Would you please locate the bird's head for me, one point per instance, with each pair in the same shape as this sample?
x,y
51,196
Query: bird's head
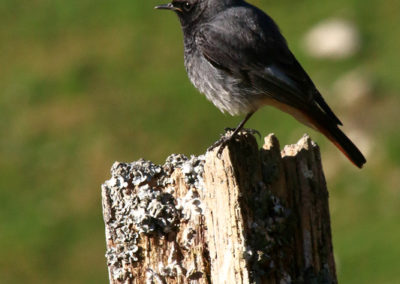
x,y
190,11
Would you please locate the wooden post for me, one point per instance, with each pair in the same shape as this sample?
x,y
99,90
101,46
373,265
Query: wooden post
x,y
251,216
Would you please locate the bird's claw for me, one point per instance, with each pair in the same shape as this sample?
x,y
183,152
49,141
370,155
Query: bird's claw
x,y
221,143
226,137
248,130
253,132
227,129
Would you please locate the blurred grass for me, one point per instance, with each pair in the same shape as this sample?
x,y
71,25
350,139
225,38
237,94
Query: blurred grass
x,y
84,84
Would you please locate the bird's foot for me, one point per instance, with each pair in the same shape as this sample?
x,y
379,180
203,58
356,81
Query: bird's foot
x,y
221,143
246,130
227,137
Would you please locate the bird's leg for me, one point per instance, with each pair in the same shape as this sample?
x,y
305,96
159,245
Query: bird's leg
x,y
225,139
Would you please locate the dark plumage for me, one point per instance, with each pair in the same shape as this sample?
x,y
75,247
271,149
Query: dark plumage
x,y
236,55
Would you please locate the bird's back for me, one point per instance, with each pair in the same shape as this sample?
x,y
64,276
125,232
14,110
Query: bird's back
x,y
226,57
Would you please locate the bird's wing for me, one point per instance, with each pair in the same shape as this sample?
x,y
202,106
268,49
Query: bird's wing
x,y
246,43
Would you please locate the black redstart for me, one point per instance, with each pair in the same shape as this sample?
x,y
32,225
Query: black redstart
x,y
236,55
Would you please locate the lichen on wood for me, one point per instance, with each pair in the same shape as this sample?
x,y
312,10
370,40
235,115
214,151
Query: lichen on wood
x,y
252,216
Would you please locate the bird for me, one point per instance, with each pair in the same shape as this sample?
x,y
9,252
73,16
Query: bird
x,y
236,55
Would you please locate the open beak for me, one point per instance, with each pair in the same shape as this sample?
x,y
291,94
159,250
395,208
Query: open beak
x,y
168,6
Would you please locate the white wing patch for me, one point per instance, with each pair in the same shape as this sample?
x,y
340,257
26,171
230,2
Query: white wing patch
x,y
274,71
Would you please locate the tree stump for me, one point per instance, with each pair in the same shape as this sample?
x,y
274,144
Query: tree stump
x,y
251,216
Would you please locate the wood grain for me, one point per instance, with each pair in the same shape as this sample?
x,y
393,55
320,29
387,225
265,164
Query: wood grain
x,y
251,216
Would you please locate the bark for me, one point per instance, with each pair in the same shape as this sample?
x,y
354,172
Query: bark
x,y
251,216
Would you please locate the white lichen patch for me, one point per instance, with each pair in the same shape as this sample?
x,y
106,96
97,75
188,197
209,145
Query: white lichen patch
x,y
140,201
190,205
153,277
192,168
269,221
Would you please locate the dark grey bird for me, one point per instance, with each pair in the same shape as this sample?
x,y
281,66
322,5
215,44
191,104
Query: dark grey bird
x,y
236,55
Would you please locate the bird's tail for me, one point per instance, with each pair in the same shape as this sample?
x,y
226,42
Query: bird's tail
x,y
341,141
322,119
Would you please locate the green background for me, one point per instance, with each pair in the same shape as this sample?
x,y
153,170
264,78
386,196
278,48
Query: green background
x,y
85,83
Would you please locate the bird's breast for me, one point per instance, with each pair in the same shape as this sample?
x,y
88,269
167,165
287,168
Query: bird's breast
x,y
227,92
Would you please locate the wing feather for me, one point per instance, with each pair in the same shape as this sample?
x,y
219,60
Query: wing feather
x,y
258,55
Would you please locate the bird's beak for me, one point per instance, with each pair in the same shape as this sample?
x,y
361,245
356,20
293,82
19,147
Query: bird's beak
x,y
168,6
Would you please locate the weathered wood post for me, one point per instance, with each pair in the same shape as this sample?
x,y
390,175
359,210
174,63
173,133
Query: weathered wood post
x,y
252,216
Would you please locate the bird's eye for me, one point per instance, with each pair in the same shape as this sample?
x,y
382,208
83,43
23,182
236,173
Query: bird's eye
x,y
187,6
